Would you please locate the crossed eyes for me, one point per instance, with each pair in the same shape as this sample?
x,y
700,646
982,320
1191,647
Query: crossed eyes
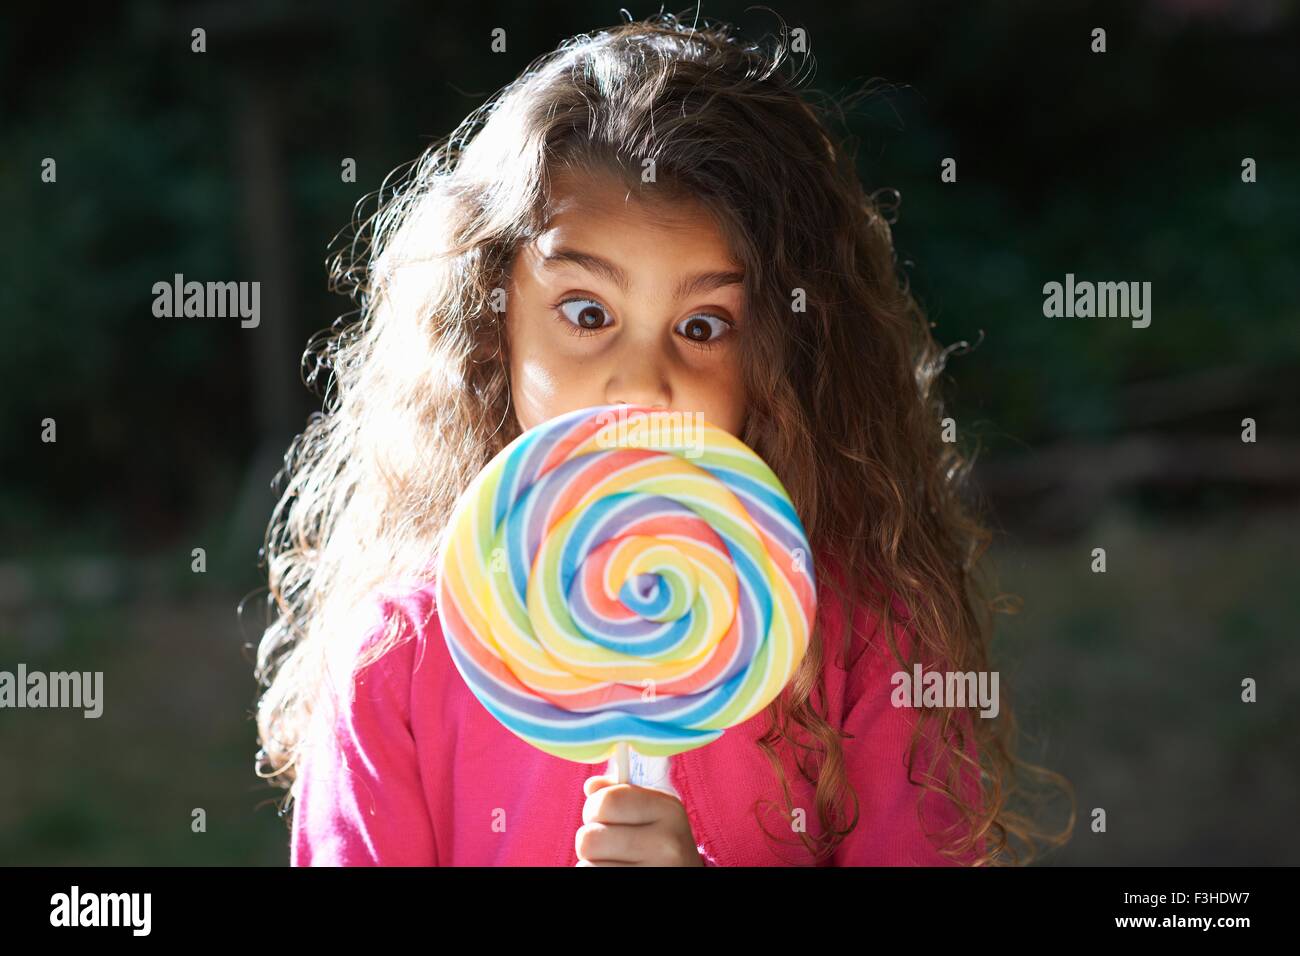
x,y
691,328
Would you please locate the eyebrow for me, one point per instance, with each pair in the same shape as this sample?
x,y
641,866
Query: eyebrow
x,y
690,285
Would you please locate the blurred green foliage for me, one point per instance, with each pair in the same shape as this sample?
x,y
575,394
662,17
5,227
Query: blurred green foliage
x,y
1118,166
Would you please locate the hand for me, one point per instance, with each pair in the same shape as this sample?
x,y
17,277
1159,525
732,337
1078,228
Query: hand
x,y
627,825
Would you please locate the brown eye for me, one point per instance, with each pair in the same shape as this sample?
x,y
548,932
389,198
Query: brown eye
x,y
589,318
704,329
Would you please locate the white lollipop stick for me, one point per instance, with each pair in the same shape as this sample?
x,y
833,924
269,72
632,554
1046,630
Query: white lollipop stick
x,y
621,762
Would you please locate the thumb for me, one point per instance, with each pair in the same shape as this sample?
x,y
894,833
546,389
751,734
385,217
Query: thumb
x,y
606,778
599,782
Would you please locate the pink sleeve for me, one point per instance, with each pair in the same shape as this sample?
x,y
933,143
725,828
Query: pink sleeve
x,y
889,831
360,800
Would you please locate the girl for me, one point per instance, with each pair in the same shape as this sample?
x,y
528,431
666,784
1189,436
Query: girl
x,y
651,215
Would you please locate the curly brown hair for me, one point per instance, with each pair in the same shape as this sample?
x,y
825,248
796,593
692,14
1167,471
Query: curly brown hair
x,y
844,400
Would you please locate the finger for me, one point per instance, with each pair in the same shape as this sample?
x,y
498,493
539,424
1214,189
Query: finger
x,y
630,845
592,784
598,843
626,804
607,863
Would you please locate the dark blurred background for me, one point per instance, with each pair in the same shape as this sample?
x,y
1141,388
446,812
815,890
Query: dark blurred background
x,y
1122,166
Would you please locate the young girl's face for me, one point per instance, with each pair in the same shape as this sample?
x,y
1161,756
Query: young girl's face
x,y
617,301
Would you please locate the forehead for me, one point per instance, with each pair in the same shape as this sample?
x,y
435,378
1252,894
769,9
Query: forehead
x,y
597,210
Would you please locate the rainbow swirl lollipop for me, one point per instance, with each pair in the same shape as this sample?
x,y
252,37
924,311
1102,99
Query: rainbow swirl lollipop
x,y
620,575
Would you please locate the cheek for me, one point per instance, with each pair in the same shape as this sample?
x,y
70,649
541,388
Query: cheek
x,y
536,378
539,377
720,393
731,413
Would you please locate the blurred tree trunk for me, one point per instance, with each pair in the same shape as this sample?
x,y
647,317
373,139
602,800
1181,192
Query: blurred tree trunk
x,y
271,346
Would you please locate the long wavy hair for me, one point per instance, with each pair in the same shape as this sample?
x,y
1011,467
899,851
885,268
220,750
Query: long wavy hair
x,y
844,401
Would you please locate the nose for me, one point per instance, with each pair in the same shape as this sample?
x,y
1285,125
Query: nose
x,y
639,377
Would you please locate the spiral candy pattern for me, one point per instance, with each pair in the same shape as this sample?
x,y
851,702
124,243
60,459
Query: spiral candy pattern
x,y
619,573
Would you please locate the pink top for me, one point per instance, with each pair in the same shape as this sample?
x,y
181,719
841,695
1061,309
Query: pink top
x,y
418,773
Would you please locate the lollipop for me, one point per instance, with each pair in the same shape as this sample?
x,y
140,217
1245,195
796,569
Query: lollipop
x,y
621,576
